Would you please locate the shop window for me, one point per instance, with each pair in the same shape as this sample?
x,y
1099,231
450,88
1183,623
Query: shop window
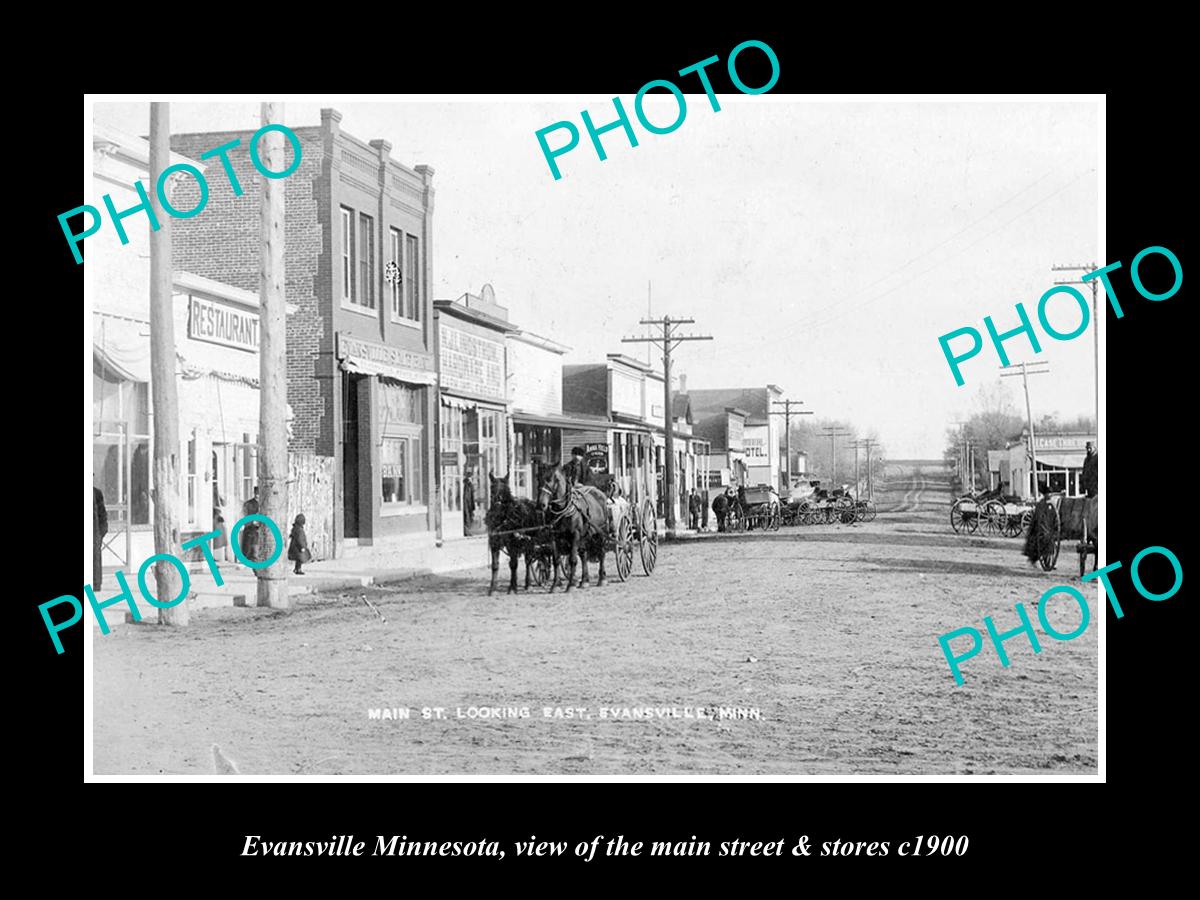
x,y
393,469
121,445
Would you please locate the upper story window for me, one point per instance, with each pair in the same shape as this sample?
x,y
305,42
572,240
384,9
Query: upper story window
x,y
395,279
347,255
364,290
412,295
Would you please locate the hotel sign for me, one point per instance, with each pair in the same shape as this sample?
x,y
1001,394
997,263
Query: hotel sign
x,y
219,323
471,364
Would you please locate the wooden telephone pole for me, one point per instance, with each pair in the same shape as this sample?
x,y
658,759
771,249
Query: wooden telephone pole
x,y
1025,370
669,340
272,359
865,444
787,414
833,435
162,374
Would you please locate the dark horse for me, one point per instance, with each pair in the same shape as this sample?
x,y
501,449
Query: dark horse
x,y
580,519
1074,518
510,524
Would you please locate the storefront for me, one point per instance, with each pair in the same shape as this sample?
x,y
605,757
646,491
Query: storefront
x,y
1060,457
385,446
472,367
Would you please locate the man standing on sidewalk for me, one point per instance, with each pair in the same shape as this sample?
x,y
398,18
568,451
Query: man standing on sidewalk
x,y
99,530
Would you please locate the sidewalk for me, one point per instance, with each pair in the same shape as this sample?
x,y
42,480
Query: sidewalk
x,y
361,566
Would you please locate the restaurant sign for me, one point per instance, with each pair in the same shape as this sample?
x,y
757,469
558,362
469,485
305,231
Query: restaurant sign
x,y
219,323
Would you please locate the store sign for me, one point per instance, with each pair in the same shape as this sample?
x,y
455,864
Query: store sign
x,y
219,323
736,430
1061,443
380,359
471,364
597,457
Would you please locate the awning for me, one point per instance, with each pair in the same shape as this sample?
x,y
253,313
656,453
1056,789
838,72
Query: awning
x,y
360,366
525,418
1059,459
123,346
458,402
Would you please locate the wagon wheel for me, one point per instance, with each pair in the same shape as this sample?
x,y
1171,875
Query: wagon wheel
x,y
775,516
649,538
1048,542
541,570
869,511
623,548
957,519
994,517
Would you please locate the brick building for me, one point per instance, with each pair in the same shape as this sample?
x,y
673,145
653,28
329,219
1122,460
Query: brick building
x,y
360,356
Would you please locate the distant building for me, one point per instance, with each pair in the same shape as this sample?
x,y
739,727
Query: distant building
x,y
760,453
1060,456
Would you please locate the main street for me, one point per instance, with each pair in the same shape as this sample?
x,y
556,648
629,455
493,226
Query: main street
x,y
824,636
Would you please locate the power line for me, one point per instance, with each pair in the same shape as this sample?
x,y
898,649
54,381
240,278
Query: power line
x,y
669,339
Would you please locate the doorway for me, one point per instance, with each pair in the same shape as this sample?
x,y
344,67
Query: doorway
x,y
350,453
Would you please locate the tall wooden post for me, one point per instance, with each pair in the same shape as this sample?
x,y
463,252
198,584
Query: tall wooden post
x,y
163,387
272,427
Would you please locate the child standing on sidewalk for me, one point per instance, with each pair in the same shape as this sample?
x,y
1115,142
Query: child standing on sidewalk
x,y
298,546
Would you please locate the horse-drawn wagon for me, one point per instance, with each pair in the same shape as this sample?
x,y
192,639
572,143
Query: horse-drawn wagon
x,y
760,508
1057,517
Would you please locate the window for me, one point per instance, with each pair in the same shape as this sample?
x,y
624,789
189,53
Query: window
x,y
412,298
397,285
491,460
365,289
191,479
393,467
452,436
121,445
347,256
249,466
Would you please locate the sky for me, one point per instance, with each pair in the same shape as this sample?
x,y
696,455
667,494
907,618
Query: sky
x,y
824,245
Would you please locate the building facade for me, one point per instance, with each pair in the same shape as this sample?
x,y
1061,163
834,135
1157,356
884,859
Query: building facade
x,y
760,446
473,416
360,347
1060,458
216,333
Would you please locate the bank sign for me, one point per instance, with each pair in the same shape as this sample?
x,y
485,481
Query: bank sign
x,y
218,323
471,364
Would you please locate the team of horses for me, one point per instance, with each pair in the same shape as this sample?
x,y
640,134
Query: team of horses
x,y
573,519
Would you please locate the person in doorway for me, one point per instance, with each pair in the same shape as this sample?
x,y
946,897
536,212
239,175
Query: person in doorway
x,y
298,545
695,507
1091,471
99,530
468,503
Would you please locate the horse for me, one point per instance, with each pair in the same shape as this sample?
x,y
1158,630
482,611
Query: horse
x,y
508,521
580,519
1055,518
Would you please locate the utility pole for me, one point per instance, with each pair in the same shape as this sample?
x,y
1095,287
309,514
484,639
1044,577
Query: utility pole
x,y
787,414
1095,326
865,444
272,359
669,340
833,435
164,389
1027,369
958,446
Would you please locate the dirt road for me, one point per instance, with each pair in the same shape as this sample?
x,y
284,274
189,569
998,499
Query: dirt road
x,y
829,632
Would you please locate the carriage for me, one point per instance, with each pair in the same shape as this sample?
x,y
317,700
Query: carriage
x,y
760,508
1059,517
628,526
990,512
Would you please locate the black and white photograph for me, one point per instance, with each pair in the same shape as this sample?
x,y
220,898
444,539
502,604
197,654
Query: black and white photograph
x,y
687,433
